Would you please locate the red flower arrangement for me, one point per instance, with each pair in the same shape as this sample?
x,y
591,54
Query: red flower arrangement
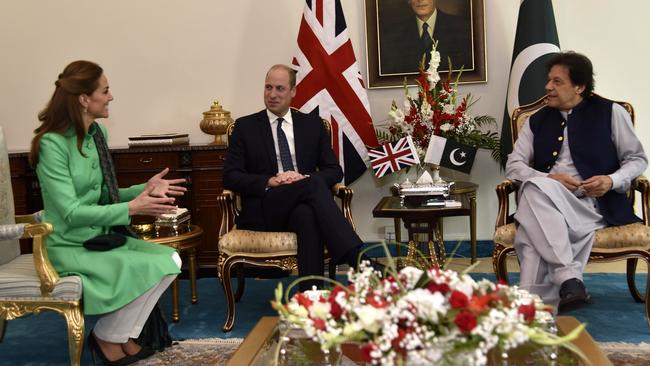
x,y
420,317
439,110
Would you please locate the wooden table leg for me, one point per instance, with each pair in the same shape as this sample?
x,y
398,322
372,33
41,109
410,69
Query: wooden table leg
x,y
398,235
472,225
442,258
176,316
432,252
192,256
410,255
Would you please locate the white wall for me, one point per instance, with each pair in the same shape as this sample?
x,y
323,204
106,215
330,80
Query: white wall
x,y
168,60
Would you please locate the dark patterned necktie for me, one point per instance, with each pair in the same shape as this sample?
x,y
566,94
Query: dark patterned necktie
x,y
283,146
427,42
108,172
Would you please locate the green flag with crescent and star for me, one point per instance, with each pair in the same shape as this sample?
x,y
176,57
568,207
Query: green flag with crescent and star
x,y
450,154
536,41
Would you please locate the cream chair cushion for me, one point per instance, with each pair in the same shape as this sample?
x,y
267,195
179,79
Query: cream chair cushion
x,y
18,279
249,241
613,237
505,235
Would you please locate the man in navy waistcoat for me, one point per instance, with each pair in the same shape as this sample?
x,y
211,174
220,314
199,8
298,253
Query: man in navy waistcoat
x,y
574,160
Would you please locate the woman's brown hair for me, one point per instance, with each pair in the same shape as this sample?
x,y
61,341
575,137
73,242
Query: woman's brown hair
x,y
64,110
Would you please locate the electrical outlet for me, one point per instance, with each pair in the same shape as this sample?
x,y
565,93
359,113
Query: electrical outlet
x,y
389,233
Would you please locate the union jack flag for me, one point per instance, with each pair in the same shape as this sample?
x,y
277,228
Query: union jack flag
x,y
393,156
329,83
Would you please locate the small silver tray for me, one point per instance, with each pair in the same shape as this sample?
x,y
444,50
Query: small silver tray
x,y
415,195
429,190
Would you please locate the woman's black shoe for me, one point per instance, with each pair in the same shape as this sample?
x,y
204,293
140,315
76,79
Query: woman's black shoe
x,y
143,353
95,350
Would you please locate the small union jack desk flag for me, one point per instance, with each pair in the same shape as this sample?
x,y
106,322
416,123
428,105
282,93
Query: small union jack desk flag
x,y
393,156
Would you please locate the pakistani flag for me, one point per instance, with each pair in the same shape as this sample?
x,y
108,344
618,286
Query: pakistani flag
x,y
535,42
450,154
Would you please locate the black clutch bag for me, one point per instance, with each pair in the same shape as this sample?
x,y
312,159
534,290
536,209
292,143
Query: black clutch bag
x,y
105,242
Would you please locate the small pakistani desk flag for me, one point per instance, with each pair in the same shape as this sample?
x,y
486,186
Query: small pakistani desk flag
x,y
536,41
450,154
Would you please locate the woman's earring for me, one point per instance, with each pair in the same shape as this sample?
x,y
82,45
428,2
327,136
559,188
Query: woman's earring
x,y
85,110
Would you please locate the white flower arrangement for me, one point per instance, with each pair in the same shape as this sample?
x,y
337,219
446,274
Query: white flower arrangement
x,y
420,317
438,109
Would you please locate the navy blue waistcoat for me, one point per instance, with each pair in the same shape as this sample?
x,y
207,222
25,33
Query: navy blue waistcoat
x,y
592,150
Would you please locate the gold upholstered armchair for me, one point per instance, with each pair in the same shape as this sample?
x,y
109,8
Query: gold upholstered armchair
x,y
239,248
629,242
28,283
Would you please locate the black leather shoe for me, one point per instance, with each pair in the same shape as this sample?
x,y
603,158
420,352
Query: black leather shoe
x,y
96,351
143,353
573,295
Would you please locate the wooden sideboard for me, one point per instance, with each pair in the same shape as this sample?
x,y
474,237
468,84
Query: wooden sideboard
x,y
200,165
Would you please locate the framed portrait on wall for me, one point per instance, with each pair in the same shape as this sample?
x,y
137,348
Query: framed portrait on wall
x,y
400,33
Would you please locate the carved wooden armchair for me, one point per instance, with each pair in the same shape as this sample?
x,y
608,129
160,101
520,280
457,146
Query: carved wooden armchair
x,y
28,283
629,242
257,248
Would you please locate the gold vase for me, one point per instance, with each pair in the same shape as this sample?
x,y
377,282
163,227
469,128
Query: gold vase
x,y
215,122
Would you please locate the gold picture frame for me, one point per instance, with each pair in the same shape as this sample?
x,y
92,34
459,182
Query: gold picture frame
x,y
393,46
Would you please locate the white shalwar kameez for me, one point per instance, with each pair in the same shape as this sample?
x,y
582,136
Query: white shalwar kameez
x,y
556,226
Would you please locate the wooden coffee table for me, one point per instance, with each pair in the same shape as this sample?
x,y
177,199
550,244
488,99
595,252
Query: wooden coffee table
x,y
252,349
185,242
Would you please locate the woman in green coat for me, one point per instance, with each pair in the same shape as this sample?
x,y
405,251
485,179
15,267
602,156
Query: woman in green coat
x,y
82,201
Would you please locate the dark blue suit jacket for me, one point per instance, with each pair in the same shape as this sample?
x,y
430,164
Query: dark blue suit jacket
x,y
251,160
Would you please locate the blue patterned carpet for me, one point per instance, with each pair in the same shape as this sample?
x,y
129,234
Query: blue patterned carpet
x,y
42,339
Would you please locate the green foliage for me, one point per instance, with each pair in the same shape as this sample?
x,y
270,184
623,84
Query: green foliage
x,y
384,136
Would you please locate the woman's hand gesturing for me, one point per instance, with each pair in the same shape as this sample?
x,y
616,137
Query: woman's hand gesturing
x,y
146,204
165,187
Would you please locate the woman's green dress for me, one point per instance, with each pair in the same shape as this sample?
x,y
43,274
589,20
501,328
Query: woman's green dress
x,y
74,198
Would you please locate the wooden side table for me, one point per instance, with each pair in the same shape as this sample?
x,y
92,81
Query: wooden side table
x,y
428,220
184,243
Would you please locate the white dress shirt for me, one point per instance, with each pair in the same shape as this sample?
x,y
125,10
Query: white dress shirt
x,y
431,22
287,128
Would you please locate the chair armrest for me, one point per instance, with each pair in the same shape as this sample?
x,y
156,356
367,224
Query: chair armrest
x,y
504,189
35,218
227,204
12,231
345,194
46,273
642,185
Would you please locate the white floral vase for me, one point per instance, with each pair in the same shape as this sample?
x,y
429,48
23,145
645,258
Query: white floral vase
x,y
297,348
435,173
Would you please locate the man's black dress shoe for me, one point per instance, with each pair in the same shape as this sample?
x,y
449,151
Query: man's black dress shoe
x,y
573,295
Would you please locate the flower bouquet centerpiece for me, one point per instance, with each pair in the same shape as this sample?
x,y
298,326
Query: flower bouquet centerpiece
x,y
437,109
422,317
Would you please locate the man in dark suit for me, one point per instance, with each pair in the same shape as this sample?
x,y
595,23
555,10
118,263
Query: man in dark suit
x,y
404,41
281,162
